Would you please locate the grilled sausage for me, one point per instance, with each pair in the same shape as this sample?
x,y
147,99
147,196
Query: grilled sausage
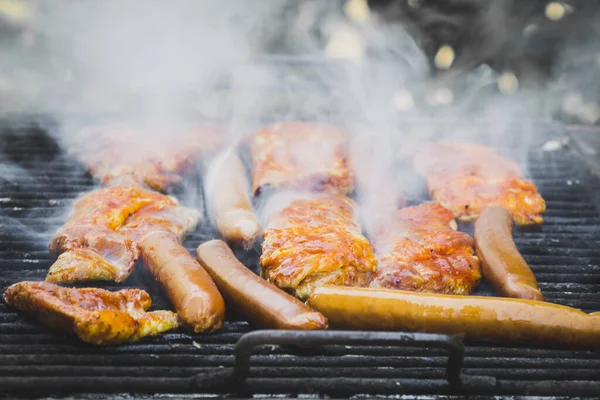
x,y
190,289
475,317
228,196
264,304
502,264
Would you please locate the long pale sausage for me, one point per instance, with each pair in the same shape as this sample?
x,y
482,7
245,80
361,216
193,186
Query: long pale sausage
x,y
502,264
190,289
228,200
264,304
475,317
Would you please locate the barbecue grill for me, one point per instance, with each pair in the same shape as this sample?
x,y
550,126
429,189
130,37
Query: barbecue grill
x,y
41,181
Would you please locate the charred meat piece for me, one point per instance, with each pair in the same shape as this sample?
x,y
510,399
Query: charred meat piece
x,y
465,178
89,246
301,156
97,316
420,250
159,229
99,242
315,241
117,156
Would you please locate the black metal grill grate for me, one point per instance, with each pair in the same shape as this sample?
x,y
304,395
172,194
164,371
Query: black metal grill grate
x,y
37,186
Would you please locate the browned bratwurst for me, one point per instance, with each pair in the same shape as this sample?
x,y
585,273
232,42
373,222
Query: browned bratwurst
x,y
502,264
228,200
475,317
263,303
190,289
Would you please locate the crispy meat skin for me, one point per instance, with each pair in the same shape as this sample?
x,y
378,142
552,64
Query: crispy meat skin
x,y
157,161
97,316
302,156
466,178
99,240
314,242
419,251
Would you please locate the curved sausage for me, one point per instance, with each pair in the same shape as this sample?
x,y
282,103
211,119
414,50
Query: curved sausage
x,y
475,317
190,289
264,304
502,264
228,201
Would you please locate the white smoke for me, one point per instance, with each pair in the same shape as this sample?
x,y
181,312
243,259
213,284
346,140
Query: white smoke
x,y
164,64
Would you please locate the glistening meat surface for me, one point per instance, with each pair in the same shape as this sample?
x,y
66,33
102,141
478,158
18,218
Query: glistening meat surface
x,y
89,246
97,316
419,250
99,242
315,241
465,178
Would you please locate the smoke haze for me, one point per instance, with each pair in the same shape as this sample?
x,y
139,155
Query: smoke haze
x,y
161,65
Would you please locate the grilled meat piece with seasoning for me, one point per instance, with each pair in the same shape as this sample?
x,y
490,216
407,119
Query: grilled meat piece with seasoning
x,y
466,178
160,216
97,316
157,162
159,229
89,246
419,249
315,241
301,156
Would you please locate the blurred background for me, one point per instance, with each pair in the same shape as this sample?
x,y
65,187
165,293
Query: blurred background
x,y
66,56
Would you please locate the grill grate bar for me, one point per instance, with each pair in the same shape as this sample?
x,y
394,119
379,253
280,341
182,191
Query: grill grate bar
x,y
564,254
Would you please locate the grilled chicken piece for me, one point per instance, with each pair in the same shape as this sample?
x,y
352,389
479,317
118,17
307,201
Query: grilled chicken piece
x,y
97,316
157,160
315,241
160,217
301,156
465,178
420,250
90,245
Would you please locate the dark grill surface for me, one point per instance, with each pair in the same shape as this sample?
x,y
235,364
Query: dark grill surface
x,y
37,185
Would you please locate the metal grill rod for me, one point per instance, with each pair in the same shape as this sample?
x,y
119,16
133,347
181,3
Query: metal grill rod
x,y
310,339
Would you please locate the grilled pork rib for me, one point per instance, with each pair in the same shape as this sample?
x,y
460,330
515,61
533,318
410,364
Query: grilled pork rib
x,y
301,156
315,241
420,250
97,316
465,178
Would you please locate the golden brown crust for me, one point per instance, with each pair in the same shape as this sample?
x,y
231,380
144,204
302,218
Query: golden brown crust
x,y
502,264
302,156
189,287
263,303
316,241
99,242
97,316
465,178
418,250
89,244
475,317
